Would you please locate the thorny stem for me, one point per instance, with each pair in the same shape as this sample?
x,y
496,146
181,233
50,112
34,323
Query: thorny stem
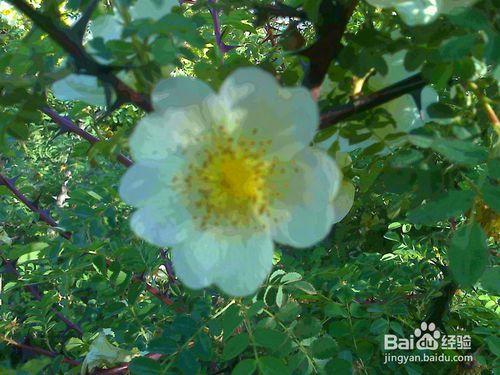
x,y
40,351
67,125
223,47
44,215
9,266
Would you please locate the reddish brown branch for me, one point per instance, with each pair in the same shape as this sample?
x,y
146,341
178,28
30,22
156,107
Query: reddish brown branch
x,y
335,17
155,292
123,368
40,351
66,125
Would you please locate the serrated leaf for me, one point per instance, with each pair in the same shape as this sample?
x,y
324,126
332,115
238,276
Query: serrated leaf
x,y
306,287
291,277
279,296
269,338
461,152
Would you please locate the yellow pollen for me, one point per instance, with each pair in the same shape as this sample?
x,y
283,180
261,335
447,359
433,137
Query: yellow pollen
x,y
226,182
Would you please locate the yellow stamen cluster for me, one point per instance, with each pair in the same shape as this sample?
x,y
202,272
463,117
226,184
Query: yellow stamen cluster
x,y
227,181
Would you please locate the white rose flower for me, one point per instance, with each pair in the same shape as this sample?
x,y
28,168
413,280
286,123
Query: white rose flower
x,y
219,176
80,87
154,9
344,201
421,12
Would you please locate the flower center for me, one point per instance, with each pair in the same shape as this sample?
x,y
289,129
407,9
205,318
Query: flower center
x,y
226,184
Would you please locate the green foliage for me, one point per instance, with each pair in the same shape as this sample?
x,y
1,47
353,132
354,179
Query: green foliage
x,y
417,225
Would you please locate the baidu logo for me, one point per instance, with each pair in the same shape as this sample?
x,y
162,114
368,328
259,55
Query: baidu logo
x,y
427,337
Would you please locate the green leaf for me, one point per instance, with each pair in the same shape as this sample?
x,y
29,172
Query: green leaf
x,y
438,74
491,280
450,205
461,152
307,326
235,346
338,366
379,326
73,343
471,18
188,363
289,311
457,47
144,366
335,310
468,254
291,277
494,168
491,195
163,51
245,367
306,287
279,296
272,366
230,320
324,347
269,338
494,345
